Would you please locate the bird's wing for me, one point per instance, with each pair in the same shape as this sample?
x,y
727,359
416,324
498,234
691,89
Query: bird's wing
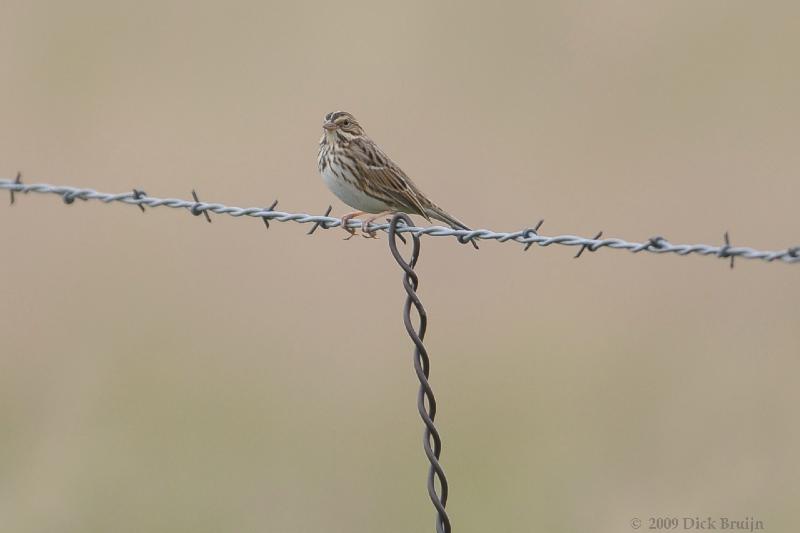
x,y
388,180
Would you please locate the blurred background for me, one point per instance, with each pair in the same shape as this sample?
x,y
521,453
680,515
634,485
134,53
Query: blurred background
x,y
159,373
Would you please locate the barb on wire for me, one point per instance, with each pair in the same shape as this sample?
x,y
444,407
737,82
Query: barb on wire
x,y
525,236
138,195
69,197
198,207
270,208
532,231
322,223
17,181
654,243
426,403
589,246
724,251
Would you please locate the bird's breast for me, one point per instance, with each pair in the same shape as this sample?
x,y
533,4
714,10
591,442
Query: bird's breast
x,y
341,182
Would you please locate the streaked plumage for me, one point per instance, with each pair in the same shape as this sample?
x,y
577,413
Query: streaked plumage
x,y
363,177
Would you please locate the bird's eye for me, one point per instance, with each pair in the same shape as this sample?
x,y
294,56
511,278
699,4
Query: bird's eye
x,y
345,123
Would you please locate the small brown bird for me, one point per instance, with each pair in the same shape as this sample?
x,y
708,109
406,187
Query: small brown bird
x,y
363,177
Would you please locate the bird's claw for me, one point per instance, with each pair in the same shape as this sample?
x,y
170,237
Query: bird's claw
x,y
372,233
366,232
345,219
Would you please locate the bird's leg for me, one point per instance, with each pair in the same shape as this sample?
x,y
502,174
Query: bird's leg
x,y
346,218
367,234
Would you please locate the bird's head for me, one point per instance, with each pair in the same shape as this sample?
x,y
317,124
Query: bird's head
x,y
341,126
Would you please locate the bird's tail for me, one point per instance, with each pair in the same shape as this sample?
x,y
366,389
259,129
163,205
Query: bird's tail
x,y
440,214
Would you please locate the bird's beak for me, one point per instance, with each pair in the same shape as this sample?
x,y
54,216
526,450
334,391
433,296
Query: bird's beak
x,y
330,126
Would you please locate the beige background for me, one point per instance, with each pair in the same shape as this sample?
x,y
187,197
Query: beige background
x,y
158,373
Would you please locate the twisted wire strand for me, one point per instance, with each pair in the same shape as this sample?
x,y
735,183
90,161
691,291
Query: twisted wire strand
x,y
527,236
426,403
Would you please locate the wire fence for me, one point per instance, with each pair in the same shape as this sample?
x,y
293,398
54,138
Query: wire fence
x,y
426,402
527,236
399,225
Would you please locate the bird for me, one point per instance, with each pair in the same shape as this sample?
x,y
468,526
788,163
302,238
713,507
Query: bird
x,y
362,176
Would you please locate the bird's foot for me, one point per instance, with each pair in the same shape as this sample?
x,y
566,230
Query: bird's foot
x,y
368,233
346,218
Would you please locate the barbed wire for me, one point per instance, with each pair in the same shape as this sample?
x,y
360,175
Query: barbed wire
x,y
401,224
426,402
527,236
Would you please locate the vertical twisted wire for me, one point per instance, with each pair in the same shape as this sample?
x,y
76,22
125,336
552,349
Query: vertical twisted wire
x,y
426,403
